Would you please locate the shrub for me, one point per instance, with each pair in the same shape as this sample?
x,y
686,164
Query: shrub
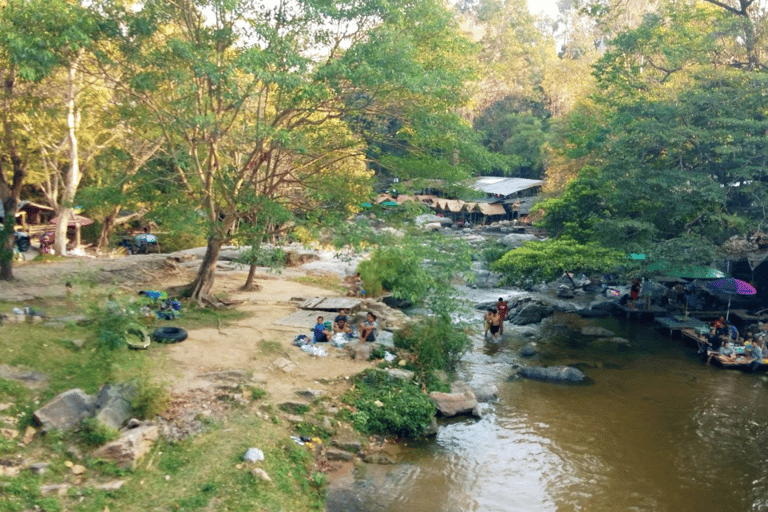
x,y
151,398
389,406
95,433
436,342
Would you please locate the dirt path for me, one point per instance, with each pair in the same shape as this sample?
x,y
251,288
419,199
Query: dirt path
x,y
255,343
252,345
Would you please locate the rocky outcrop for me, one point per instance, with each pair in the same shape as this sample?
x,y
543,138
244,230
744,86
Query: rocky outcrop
x,y
131,447
552,373
455,404
113,404
359,350
515,240
532,313
66,410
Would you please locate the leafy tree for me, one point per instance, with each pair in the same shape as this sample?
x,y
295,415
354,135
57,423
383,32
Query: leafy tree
x,y
253,98
546,260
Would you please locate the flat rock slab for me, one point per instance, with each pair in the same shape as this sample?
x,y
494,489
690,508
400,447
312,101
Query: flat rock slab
x,y
331,303
66,410
28,378
597,331
552,373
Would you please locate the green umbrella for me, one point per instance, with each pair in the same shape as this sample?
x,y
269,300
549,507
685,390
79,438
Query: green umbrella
x,y
695,272
635,256
389,203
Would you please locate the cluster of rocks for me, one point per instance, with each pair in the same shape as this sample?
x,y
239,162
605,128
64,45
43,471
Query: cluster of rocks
x,y
110,408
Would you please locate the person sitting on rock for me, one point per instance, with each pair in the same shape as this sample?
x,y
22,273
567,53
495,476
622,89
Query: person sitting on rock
x,y
369,328
341,323
321,333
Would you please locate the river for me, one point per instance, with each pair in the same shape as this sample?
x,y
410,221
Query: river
x,y
654,429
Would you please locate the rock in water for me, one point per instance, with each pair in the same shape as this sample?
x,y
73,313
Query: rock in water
x,y
532,314
552,373
454,404
597,331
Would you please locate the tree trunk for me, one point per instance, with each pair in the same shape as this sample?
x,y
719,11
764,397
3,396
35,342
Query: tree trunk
x,y
201,287
249,285
106,229
73,174
7,240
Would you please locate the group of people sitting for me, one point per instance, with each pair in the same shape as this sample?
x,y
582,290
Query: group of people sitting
x,y
723,338
323,331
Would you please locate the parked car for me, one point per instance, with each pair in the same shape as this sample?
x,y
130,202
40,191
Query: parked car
x,y
22,240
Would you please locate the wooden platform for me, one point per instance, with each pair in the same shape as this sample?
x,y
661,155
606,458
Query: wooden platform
x,y
640,310
331,303
680,324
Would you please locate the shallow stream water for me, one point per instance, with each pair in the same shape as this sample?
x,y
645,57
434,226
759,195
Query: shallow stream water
x,y
654,429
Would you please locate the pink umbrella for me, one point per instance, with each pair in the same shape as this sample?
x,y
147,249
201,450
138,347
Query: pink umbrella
x,y
732,287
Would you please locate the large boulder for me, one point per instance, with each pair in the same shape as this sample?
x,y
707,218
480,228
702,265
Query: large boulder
x,y
533,313
113,404
359,350
131,447
552,373
454,404
515,240
66,410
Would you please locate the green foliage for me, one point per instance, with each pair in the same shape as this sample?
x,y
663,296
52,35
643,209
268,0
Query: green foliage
x,y
94,433
418,269
544,261
299,409
436,341
151,398
494,252
389,406
257,393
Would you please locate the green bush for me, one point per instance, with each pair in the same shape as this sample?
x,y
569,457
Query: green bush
x,y
389,406
95,433
548,259
151,398
436,342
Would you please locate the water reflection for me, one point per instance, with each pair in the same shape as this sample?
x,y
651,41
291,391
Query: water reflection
x,y
656,431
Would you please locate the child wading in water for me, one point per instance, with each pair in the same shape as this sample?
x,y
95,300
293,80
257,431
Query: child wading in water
x,y
494,322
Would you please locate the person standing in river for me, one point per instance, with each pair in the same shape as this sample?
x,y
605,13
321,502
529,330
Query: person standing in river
x,y
493,322
503,308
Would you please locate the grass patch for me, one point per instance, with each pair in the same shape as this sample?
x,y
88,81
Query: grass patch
x,y
322,281
296,409
269,348
257,393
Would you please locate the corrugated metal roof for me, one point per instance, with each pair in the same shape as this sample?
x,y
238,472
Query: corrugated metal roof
x,y
504,186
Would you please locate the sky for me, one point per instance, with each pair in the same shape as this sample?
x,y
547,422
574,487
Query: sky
x,y
549,7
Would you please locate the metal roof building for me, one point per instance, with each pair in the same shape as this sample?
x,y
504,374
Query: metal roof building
x,y
504,186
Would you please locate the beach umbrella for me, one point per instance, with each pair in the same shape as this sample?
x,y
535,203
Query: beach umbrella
x,y
732,287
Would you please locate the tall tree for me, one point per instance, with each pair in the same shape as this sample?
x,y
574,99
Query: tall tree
x,y
251,97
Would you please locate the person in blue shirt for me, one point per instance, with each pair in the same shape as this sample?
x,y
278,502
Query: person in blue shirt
x,y
321,333
757,355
